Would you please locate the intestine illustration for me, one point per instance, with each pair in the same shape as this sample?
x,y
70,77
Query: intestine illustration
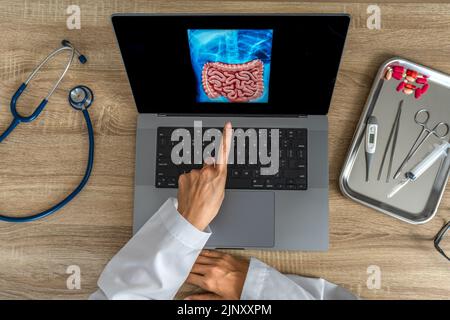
x,y
231,65
236,82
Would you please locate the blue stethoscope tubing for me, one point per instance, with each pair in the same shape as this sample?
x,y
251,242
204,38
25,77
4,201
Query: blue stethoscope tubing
x,y
17,119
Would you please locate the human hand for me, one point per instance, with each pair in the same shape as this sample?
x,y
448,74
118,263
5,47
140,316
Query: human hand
x,y
201,192
222,275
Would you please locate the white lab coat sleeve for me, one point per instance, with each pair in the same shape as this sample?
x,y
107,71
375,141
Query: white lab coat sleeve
x,y
156,261
266,283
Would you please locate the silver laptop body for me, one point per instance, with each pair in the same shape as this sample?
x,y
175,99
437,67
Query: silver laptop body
x,y
266,219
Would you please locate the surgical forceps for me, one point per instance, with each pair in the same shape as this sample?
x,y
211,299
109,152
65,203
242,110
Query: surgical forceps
x,y
440,126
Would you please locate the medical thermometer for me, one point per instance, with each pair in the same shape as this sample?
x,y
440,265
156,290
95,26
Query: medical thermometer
x,y
421,167
371,142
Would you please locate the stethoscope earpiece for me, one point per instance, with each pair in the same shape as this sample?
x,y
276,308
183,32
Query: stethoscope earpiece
x,y
66,43
81,97
82,58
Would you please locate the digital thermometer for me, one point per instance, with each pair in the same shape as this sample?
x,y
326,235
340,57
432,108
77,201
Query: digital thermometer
x,y
371,142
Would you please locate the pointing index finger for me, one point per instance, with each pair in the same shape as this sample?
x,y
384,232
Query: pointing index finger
x,y
225,145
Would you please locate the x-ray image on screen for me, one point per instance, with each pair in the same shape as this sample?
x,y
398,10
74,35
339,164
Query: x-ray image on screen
x,y
231,65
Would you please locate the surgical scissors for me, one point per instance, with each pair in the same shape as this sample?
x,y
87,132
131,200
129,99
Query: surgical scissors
x,y
428,132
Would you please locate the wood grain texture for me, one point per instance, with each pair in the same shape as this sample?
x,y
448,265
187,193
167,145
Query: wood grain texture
x,y
43,161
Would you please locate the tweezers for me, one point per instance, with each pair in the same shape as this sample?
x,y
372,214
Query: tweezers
x,y
392,137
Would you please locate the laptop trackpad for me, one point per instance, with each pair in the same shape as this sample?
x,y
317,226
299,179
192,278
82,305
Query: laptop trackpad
x,y
246,219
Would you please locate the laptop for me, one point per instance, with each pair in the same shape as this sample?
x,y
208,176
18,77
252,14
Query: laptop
x,y
273,77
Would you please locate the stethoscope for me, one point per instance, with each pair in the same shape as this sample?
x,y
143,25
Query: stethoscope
x,y
80,98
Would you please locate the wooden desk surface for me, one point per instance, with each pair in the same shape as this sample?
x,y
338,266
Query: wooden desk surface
x,y
43,161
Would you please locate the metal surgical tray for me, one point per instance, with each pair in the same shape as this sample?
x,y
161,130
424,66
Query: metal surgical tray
x,y
419,200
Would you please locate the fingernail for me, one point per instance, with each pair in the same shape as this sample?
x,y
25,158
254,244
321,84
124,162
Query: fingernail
x,y
187,298
210,160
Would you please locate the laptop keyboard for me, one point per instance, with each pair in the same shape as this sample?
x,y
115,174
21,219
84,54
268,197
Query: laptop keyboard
x,y
292,173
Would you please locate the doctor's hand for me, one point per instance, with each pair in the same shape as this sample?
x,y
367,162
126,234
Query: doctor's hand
x,y
222,275
201,192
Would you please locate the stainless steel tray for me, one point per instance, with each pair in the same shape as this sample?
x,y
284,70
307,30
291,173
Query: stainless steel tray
x,y
419,200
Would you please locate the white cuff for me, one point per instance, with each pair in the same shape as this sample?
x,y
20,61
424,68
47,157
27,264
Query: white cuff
x,y
264,282
254,282
180,228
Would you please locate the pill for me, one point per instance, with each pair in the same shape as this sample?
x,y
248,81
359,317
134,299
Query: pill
x,y
400,86
398,69
411,73
397,75
388,74
421,80
408,91
418,93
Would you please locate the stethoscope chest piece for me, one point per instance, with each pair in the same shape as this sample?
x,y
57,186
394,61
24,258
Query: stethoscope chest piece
x,y
81,98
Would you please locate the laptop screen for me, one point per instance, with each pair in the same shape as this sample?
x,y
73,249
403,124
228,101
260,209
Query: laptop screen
x,y
255,65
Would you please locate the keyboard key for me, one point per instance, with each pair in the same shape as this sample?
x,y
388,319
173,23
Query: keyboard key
x,y
295,164
269,183
163,163
240,183
295,173
236,173
161,181
258,183
301,154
